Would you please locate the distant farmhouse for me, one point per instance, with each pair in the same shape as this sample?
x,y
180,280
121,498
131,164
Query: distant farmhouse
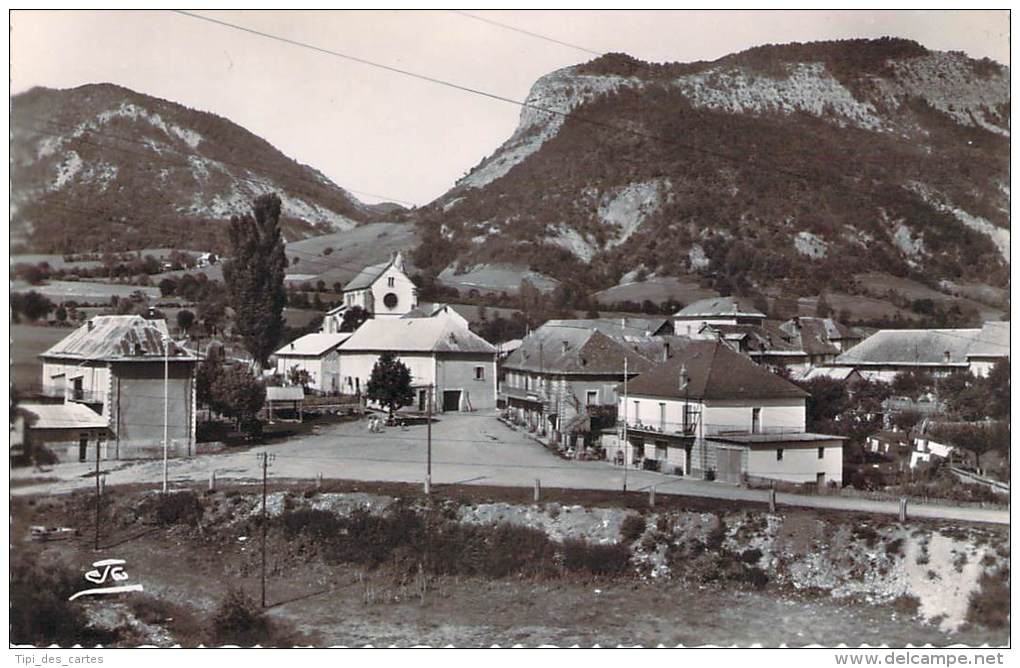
x,y
108,379
383,290
888,352
440,352
710,412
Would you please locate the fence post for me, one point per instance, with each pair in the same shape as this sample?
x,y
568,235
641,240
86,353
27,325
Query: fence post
x,y
903,509
538,490
212,480
772,498
102,484
651,496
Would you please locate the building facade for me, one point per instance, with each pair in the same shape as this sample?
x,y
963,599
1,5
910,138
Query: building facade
x,y
383,290
317,354
128,371
458,365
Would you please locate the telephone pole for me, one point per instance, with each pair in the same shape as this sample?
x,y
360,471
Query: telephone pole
x,y
97,496
166,411
266,459
626,443
428,442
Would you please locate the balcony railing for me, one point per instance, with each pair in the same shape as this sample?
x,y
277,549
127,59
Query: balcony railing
x,y
682,429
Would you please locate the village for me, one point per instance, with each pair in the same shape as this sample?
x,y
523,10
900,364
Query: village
x,y
714,392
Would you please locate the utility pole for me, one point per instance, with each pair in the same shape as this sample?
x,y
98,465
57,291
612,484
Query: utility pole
x,y
428,442
97,497
626,444
166,411
266,459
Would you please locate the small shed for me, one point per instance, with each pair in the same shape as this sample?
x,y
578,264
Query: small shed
x,y
292,397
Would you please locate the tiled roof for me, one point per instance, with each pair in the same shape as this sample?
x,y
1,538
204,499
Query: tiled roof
x,y
912,347
714,371
117,338
556,347
718,307
416,335
312,345
812,335
64,416
833,372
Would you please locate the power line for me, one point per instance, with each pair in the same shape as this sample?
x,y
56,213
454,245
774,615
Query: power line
x,y
528,32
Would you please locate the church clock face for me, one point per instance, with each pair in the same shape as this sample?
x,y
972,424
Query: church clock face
x,y
390,300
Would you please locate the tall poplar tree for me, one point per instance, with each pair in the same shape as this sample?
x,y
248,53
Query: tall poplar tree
x,y
254,277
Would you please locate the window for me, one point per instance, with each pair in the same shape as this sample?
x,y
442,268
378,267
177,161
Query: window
x,y
390,281
479,373
662,416
591,397
637,412
779,454
755,420
821,453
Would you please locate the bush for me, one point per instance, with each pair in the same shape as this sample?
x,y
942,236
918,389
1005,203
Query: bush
x,y
515,549
581,556
240,621
40,613
632,528
990,605
756,576
318,524
43,456
179,508
894,547
752,556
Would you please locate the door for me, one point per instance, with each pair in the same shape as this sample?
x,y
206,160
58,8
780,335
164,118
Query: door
x,y
83,445
422,395
451,400
820,480
728,465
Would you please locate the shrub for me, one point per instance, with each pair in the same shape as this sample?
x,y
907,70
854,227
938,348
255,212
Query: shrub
x,y
40,613
866,533
632,528
581,556
751,556
176,508
894,547
240,621
756,576
990,605
515,549
43,456
318,524
715,538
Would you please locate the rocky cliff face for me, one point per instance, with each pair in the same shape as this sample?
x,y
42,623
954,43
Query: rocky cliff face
x,y
103,166
819,148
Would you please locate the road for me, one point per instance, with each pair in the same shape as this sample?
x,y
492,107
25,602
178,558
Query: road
x,y
466,449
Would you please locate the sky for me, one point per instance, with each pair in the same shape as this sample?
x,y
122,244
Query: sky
x,y
386,136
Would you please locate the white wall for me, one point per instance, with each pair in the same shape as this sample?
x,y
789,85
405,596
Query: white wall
x,y
403,288
800,463
359,365
94,379
718,415
324,370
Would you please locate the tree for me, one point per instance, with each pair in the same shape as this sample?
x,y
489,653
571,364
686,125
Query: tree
x,y
977,437
167,286
238,394
390,383
207,373
298,376
60,313
254,277
185,319
35,305
354,317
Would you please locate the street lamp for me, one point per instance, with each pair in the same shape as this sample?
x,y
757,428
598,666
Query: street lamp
x,y
166,409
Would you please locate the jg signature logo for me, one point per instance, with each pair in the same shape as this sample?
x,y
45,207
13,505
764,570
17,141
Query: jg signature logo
x,y
107,570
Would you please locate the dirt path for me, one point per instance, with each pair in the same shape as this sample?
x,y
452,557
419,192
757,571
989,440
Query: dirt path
x,y
467,449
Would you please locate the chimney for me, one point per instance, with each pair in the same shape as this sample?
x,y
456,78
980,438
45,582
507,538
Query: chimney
x,y
91,325
292,345
947,357
665,351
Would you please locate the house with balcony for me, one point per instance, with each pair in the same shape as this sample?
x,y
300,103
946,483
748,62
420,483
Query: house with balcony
x,y
562,381
123,368
710,412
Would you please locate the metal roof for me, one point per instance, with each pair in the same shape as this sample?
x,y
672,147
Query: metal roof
x,y
313,345
444,335
920,347
289,393
118,338
715,307
993,341
64,416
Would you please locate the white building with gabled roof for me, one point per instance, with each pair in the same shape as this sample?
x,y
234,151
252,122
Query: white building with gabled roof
x,y
383,290
318,354
689,320
440,352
